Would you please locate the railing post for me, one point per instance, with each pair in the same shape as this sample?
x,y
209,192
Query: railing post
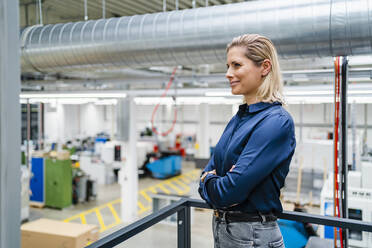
x,y
184,228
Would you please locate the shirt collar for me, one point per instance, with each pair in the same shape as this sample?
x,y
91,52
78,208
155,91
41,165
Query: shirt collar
x,y
256,107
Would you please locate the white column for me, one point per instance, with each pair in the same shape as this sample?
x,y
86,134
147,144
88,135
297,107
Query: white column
x,y
128,176
60,123
204,127
10,125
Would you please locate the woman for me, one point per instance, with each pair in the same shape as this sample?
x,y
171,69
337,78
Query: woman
x,y
242,180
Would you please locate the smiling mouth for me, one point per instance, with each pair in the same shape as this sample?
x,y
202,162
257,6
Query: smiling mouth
x,y
233,83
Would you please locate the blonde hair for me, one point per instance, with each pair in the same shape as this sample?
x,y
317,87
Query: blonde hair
x,y
258,48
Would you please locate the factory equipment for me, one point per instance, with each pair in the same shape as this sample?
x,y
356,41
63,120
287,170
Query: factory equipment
x,y
359,206
163,164
58,183
37,182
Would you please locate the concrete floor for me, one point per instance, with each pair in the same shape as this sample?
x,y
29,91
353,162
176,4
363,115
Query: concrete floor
x,y
159,235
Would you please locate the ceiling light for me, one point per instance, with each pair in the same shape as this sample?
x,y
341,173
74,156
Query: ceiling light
x,y
218,93
74,95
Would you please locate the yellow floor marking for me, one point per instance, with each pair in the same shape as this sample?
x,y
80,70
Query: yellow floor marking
x,y
179,182
113,211
153,190
186,180
100,219
83,220
115,201
109,226
91,210
140,205
164,189
146,196
143,210
180,192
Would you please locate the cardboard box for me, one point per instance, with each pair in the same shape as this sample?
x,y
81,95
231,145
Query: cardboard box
x,y
46,233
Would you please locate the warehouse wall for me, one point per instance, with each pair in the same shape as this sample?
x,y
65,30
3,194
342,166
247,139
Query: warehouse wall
x,y
66,121
323,114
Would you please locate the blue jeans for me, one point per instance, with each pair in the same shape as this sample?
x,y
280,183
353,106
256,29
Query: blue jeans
x,y
246,234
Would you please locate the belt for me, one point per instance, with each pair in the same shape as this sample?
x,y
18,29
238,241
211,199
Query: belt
x,y
229,216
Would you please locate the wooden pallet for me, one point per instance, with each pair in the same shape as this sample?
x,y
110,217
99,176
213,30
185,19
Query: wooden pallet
x,y
37,204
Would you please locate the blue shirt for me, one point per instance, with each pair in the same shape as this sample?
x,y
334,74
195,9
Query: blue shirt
x,y
260,141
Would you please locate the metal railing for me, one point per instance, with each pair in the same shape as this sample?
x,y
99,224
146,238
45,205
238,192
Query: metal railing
x,y
182,208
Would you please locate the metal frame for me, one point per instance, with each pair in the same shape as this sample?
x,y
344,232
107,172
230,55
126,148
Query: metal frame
x,y
182,208
10,125
344,140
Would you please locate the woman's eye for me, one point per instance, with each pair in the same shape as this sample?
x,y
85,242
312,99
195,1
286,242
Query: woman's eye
x,y
237,65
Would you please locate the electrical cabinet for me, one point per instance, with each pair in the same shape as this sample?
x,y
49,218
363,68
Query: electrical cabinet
x,y
37,180
58,183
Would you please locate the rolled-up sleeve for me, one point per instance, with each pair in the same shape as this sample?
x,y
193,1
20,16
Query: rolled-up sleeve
x,y
271,143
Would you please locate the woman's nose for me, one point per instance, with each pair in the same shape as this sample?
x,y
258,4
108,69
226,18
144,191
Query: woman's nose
x,y
228,74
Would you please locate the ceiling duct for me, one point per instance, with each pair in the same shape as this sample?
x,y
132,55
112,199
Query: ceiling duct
x,y
299,28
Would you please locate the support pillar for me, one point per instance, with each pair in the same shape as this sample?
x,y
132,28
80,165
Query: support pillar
x,y
10,125
128,176
204,127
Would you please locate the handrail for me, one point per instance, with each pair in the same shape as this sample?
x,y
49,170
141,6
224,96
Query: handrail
x,y
182,208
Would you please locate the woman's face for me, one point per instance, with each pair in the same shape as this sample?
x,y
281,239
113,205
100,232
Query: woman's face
x,y
244,76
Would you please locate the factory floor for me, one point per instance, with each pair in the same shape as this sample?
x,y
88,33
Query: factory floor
x,y
105,211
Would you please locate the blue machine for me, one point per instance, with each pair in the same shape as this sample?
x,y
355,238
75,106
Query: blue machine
x,y
294,233
165,167
37,180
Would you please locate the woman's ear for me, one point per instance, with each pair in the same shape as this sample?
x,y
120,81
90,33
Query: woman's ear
x,y
266,67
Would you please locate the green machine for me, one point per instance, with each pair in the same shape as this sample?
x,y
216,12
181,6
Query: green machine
x,y
58,183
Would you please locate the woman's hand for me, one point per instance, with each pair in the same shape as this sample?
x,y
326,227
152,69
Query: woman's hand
x,y
206,173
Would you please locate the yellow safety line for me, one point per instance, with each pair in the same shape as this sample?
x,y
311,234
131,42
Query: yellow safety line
x,y
164,189
100,220
153,190
186,180
180,192
83,220
146,196
143,210
179,182
140,205
109,226
91,210
193,175
113,211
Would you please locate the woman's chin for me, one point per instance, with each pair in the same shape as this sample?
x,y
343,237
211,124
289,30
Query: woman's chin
x,y
235,92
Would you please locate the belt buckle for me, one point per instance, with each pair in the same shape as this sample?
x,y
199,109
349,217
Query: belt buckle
x,y
263,217
219,215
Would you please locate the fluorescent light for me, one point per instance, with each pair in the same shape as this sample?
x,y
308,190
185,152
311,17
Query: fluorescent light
x,y
106,102
307,92
74,95
153,100
309,100
218,93
76,100
186,100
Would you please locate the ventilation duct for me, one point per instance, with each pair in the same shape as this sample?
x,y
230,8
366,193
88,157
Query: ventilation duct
x,y
299,28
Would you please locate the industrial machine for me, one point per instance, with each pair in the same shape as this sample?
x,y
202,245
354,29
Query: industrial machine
x,y
359,204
